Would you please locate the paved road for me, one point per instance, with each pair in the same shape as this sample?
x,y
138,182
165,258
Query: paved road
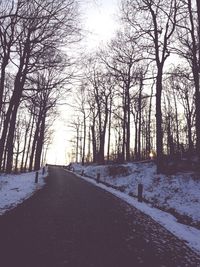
x,y
72,223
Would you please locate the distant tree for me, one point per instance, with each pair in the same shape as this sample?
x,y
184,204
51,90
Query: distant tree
x,y
154,22
99,97
121,58
183,87
8,37
48,84
82,107
188,34
75,125
32,30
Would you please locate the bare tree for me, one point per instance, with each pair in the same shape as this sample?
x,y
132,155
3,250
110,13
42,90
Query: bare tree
x,y
154,21
121,58
48,84
188,48
34,30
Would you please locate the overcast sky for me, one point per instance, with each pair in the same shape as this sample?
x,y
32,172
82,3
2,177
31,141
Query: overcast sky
x,y
99,21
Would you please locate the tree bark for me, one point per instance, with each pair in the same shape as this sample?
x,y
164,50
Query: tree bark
x,y
29,142
39,146
84,139
159,130
140,119
94,145
25,143
10,139
36,135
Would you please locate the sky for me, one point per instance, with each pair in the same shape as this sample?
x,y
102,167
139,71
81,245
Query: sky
x,y
100,22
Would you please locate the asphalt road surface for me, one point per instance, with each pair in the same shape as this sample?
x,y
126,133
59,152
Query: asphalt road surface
x,y
72,223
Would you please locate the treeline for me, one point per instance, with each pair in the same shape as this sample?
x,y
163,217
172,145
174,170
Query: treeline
x,y
33,75
140,93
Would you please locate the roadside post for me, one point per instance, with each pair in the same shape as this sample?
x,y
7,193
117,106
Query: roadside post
x,y
140,191
36,177
98,177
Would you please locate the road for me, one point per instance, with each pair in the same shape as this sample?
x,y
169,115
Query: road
x,y
72,223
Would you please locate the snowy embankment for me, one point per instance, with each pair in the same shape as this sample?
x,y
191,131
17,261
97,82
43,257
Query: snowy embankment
x,y
15,188
179,194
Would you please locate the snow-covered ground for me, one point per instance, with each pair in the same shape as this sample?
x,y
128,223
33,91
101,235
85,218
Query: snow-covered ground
x,y
179,194
14,189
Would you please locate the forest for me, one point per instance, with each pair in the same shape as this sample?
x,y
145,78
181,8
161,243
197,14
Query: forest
x,y
34,74
139,96
135,98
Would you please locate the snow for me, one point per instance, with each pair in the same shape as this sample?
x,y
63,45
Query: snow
x,y
14,189
179,193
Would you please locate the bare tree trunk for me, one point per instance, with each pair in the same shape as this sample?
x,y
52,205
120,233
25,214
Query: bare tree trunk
x,y
29,142
159,130
25,142
195,70
128,122
177,122
2,80
10,139
124,128
198,13
109,130
4,160
77,142
197,104
39,146
149,124
84,139
94,145
89,146
102,137
101,148
17,155
140,118
45,154
5,130
189,124
136,136
34,143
